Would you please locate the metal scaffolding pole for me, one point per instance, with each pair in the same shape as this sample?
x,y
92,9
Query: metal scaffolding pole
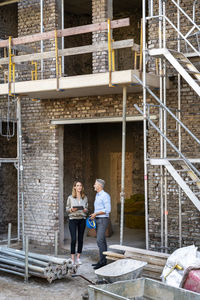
x,y
18,178
165,125
145,124
179,126
161,129
122,194
20,165
62,39
41,30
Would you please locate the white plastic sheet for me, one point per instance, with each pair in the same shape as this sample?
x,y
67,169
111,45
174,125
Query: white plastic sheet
x,y
178,262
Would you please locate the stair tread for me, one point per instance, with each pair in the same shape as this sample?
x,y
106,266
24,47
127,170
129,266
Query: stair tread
x,y
184,62
177,53
192,72
193,181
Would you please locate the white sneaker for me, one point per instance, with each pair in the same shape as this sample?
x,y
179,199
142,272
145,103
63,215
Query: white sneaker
x,y
78,261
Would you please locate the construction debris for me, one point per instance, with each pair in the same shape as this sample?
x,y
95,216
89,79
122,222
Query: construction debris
x,y
43,266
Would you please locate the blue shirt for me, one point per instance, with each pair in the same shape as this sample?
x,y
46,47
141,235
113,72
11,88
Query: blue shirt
x,y
102,203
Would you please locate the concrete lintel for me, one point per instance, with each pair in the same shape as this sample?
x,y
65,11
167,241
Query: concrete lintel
x,y
98,120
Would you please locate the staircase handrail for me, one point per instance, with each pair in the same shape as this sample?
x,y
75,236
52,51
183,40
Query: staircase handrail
x,y
167,109
168,141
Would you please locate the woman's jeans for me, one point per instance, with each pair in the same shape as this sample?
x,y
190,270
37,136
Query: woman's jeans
x,y
74,226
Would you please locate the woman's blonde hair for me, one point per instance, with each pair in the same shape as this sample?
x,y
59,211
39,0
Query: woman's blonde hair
x,y
74,195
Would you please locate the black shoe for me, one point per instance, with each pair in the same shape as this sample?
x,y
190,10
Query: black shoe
x,y
94,265
99,265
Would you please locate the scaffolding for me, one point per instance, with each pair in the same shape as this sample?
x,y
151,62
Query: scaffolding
x,y
188,41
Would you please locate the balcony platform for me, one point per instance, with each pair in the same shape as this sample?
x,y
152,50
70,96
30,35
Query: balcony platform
x,y
82,85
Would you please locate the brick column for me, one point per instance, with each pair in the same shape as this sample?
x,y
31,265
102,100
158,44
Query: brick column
x,y
101,10
40,140
29,23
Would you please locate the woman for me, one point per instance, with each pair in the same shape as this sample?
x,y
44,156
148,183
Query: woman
x,y
77,208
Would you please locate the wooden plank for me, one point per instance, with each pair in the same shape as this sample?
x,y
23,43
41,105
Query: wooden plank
x,y
22,48
150,259
71,51
112,258
115,255
153,268
66,32
140,251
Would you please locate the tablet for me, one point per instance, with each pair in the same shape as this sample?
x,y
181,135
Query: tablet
x,y
79,207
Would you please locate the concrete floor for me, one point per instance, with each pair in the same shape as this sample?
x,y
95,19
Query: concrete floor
x,y
13,287
132,237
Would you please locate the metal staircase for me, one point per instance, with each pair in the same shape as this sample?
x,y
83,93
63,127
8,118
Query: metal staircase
x,y
180,171
180,168
182,65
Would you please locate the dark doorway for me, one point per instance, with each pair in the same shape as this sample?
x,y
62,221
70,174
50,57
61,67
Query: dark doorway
x,y
8,183
94,151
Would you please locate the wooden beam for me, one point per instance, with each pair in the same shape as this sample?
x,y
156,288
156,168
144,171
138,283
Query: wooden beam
x,y
8,2
72,51
66,32
22,48
139,251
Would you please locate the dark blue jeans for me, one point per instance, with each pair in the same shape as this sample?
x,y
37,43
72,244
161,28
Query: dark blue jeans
x,y
74,226
101,224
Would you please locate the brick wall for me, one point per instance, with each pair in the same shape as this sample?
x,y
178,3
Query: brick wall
x,y
40,149
29,23
99,14
41,158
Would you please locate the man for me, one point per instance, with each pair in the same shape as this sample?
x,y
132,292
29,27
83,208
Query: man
x,y
102,208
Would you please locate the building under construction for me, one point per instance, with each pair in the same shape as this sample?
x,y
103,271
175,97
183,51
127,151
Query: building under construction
x,y
100,89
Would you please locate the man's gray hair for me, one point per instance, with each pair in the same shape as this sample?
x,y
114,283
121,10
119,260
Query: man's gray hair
x,y
101,181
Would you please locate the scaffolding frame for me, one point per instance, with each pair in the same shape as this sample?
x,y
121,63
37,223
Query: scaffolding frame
x,y
18,163
162,19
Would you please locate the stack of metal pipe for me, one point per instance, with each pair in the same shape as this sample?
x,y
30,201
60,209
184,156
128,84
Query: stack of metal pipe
x,y
44,266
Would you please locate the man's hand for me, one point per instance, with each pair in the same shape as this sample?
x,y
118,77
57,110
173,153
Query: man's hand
x,y
85,210
93,216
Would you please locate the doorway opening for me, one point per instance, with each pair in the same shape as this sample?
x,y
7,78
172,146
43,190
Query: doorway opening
x,y
8,185
77,13
94,151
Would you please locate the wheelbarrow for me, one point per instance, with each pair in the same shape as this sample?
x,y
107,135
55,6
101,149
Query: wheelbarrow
x,y
120,270
142,289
